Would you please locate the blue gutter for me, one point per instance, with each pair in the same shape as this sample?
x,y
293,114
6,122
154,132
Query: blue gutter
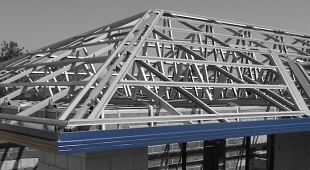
x,y
89,141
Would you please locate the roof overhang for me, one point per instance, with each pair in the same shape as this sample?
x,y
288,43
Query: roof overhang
x,y
90,141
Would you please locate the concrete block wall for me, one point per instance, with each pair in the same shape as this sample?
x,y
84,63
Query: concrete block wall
x,y
234,150
236,153
17,157
121,159
169,156
292,151
235,157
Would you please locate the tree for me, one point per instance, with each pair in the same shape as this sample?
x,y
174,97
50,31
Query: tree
x,y
8,51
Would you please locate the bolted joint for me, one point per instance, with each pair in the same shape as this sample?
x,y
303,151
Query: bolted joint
x,y
7,102
117,69
279,32
249,27
211,21
51,104
306,36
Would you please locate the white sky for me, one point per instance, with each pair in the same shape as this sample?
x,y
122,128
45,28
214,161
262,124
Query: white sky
x,y
37,23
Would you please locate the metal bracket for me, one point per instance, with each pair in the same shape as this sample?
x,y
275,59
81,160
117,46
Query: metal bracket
x,y
6,102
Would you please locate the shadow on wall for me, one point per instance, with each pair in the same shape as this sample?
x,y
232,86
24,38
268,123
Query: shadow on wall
x,y
14,156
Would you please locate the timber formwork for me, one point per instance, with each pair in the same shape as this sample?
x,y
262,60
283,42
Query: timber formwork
x,y
154,78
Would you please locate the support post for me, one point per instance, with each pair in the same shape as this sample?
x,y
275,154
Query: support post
x,y
184,160
248,152
211,154
270,152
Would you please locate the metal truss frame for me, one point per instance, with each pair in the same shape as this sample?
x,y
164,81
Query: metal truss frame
x,y
157,68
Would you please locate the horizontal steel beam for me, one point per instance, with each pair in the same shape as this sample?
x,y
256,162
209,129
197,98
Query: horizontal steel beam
x,y
227,24
31,84
178,118
61,63
260,41
235,49
200,62
199,84
39,120
77,46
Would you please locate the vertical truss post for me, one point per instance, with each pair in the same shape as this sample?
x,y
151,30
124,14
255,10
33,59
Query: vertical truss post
x,y
270,152
205,157
211,154
224,153
184,155
248,152
151,114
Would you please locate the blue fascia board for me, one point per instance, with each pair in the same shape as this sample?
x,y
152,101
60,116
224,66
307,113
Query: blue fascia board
x,y
89,141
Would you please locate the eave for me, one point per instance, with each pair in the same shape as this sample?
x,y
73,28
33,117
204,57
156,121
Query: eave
x,y
90,141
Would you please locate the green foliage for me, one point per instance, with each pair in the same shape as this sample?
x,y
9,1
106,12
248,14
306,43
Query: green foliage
x,y
8,51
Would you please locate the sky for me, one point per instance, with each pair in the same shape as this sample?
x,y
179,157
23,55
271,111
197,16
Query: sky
x,y
37,23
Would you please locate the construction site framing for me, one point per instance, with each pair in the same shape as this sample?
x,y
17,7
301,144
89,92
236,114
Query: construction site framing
x,y
157,77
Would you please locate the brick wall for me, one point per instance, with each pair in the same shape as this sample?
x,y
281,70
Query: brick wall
x,y
292,151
